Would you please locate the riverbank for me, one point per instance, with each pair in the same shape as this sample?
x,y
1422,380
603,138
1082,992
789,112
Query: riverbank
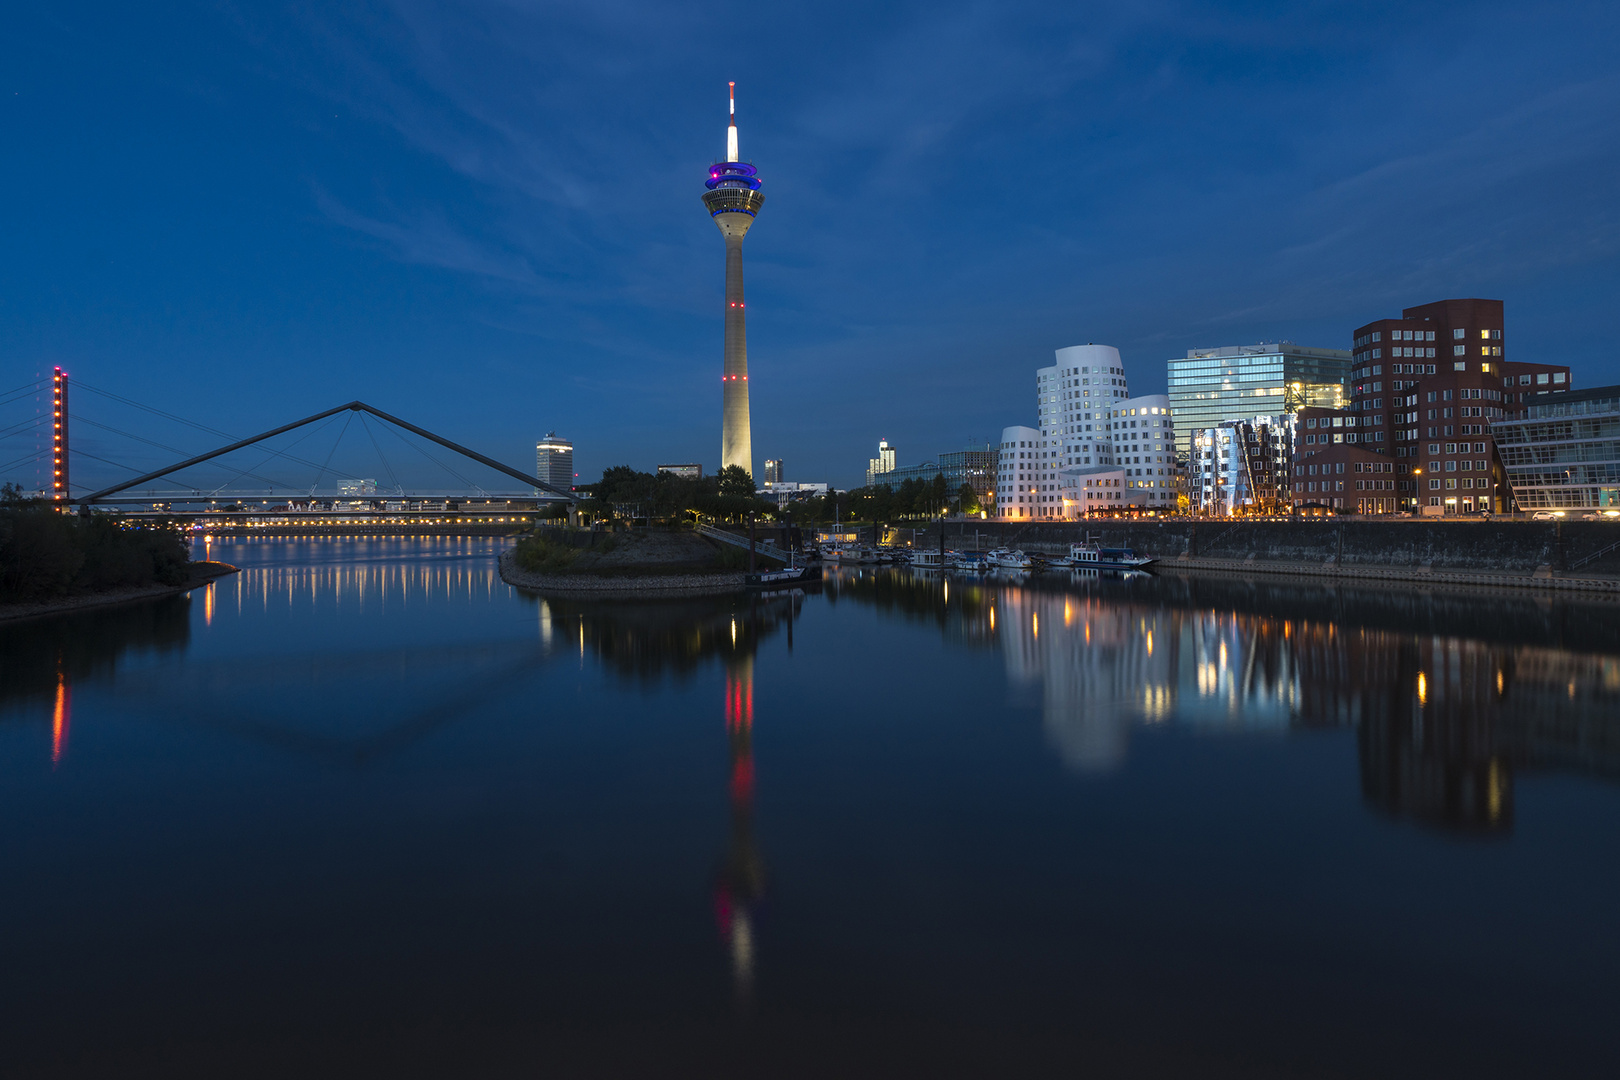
x,y
621,585
197,575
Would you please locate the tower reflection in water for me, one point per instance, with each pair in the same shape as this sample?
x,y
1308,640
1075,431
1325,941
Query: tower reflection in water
x,y
741,881
1449,697
650,641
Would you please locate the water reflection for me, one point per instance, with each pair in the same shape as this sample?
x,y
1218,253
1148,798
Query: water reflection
x,y
41,659
1445,717
676,638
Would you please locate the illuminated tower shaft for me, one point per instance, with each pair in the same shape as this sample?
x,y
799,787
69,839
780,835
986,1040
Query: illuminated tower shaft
x,y
59,436
733,199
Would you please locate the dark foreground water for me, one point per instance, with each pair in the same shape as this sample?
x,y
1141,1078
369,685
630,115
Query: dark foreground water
x,y
363,809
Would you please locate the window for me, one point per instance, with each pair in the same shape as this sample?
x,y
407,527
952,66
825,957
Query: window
x,y
1429,336
1434,484
1457,335
1459,350
1558,376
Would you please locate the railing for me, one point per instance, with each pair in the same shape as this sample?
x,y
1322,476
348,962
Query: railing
x,y
724,537
1594,557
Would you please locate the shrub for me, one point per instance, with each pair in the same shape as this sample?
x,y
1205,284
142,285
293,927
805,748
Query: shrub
x,y
543,555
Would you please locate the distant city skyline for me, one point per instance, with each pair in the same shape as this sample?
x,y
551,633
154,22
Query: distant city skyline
x,y
474,215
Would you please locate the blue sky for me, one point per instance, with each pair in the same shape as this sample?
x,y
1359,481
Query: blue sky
x,y
485,217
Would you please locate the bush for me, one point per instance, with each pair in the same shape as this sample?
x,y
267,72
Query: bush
x,y
46,554
543,555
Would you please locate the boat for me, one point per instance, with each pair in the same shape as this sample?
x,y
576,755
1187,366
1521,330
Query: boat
x,y
861,555
831,553
791,574
1058,562
1010,559
1091,557
927,560
968,562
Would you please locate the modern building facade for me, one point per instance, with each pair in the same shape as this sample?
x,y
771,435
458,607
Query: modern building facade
x,y
1139,436
773,470
733,199
554,462
1427,390
1241,467
1564,452
690,471
1094,447
1239,382
883,463
1026,474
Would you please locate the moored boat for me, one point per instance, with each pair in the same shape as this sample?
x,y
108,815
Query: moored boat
x,y
1010,559
1092,557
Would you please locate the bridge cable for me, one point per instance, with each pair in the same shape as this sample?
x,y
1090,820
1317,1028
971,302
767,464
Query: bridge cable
x,y
346,419
77,419
6,433
25,458
180,419
21,392
436,461
389,469
248,471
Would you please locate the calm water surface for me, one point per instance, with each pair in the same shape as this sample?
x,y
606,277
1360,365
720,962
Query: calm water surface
x,y
363,807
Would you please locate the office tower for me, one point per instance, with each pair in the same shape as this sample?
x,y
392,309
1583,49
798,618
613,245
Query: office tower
x,y
1240,382
733,198
1427,388
554,462
773,470
883,463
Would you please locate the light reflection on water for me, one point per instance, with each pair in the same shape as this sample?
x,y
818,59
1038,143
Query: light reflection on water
x,y
1069,814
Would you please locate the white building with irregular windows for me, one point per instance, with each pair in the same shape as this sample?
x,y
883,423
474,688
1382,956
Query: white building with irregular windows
x,y
1096,448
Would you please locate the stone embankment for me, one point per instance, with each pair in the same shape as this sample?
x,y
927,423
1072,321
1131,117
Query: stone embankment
x,y
617,587
198,574
1572,555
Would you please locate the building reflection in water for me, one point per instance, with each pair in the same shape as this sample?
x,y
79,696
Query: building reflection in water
x,y
1445,715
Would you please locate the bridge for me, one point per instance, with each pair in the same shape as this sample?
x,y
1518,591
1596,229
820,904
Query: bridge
x,y
249,500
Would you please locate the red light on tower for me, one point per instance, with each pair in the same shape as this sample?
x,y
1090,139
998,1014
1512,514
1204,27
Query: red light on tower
x,y
59,436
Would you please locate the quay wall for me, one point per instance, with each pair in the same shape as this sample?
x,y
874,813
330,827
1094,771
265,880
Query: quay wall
x,y
1510,547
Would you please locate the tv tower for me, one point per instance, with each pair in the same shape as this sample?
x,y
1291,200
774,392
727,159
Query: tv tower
x,y
733,198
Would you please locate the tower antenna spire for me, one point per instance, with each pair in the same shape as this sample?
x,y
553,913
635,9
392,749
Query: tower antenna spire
x,y
731,132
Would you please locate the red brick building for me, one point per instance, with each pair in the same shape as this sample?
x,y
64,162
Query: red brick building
x,y
1424,390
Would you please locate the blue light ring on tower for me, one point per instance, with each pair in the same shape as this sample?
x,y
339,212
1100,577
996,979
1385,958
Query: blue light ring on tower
x,y
732,174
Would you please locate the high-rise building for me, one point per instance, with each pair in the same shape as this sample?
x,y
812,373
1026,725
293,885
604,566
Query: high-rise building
x,y
1095,447
773,470
554,462
1425,391
1239,382
1071,395
881,464
733,198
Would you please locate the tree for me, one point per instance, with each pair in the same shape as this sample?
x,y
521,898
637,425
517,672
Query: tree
x,y
734,480
939,493
967,500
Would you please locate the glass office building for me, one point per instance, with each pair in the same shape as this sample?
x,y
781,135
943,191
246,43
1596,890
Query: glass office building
x,y
1565,452
1238,382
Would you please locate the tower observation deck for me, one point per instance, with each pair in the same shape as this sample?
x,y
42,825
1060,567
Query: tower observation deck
x,y
733,198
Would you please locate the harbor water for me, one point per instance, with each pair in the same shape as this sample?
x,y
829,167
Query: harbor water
x,y
362,807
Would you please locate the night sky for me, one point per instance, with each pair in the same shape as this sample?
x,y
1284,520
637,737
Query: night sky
x,y
485,217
